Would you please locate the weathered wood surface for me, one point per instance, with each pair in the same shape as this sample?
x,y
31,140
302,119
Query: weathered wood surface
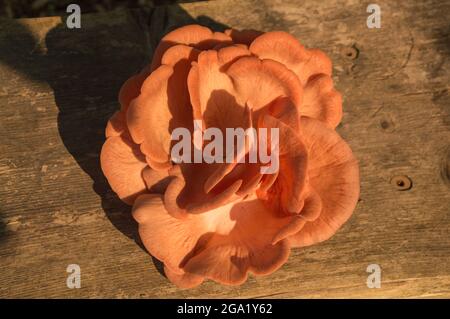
x,y
59,86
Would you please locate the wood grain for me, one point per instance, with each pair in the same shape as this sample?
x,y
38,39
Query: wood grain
x,y
59,86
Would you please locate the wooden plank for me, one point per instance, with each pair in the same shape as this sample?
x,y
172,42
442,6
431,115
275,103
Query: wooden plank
x,y
59,86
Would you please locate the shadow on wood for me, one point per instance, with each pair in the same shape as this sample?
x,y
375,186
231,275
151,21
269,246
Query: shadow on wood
x,y
85,68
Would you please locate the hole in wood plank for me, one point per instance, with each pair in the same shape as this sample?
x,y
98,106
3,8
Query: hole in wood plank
x,y
384,124
401,182
350,52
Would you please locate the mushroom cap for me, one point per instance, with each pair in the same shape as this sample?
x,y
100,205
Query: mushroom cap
x,y
224,220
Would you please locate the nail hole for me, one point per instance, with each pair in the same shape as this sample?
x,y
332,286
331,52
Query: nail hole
x,y
384,124
350,52
401,182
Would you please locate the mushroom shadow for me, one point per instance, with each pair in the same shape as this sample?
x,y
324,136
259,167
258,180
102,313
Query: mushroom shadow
x,y
85,68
